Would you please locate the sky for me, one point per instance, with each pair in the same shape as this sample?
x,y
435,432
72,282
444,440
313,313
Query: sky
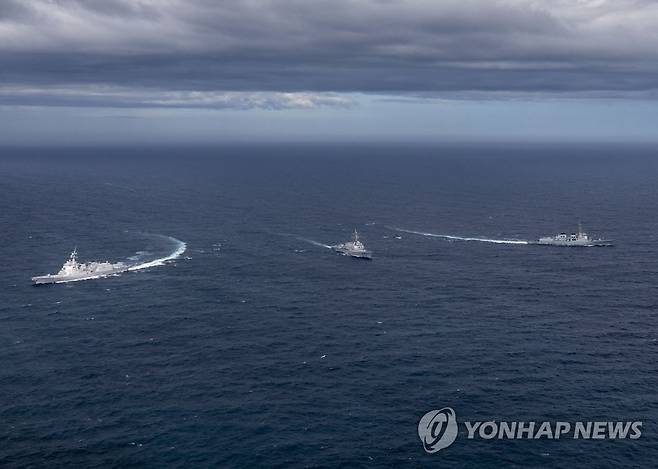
x,y
140,71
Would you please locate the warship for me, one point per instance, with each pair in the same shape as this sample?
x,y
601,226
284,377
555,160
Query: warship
x,y
72,271
574,239
354,248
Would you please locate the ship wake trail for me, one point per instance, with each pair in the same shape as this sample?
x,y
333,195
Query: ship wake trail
x,y
179,249
459,238
306,240
315,243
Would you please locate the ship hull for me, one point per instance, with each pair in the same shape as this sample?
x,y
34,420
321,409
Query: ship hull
x,y
43,280
366,255
582,244
52,279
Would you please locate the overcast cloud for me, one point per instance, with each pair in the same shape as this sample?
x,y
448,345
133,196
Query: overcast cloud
x,y
299,53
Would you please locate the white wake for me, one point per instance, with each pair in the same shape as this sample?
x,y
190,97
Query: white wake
x,y
461,238
178,251
315,243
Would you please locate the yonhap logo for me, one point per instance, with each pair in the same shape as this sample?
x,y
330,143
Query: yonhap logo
x,y
438,429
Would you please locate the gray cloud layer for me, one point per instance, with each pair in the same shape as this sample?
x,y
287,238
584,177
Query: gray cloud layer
x,y
198,50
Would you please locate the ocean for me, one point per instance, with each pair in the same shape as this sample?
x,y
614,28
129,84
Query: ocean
x,y
242,341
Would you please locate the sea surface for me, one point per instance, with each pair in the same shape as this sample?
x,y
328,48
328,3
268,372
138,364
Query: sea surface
x,y
257,346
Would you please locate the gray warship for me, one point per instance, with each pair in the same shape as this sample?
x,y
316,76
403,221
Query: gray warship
x,y
72,271
354,248
580,238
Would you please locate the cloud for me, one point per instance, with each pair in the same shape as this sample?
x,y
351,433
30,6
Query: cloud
x,y
215,54
111,96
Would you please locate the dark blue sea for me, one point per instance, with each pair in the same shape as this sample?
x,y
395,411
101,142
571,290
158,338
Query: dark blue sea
x,y
259,347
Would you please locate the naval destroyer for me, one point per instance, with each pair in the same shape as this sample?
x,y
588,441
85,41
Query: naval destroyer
x,y
354,248
574,239
72,271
